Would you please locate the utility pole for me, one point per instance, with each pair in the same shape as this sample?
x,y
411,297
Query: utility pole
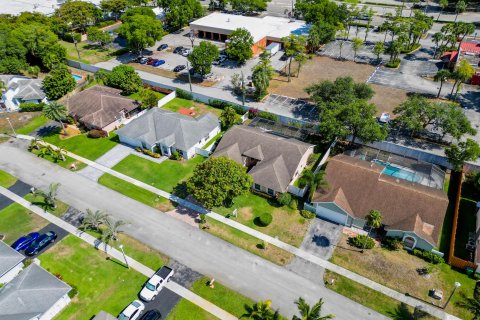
x,y
192,35
189,77
457,285
243,90
14,133
124,257
75,43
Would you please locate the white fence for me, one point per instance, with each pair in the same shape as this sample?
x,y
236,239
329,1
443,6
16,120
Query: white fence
x,y
169,97
202,152
325,156
309,207
297,191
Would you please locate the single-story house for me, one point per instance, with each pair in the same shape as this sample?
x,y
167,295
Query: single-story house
x,y
266,30
11,263
411,211
169,132
274,162
102,108
35,294
19,90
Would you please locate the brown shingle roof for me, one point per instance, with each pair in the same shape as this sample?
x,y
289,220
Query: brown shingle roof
x,y
99,106
359,186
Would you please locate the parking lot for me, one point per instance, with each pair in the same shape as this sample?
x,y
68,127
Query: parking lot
x,y
285,105
365,55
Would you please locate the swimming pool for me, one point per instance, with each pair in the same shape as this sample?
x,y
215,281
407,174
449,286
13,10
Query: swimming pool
x,y
77,77
398,172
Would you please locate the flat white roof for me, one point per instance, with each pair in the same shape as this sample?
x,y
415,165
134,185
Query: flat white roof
x,y
46,7
274,28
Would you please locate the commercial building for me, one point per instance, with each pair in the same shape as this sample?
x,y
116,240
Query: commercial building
x,y
217,26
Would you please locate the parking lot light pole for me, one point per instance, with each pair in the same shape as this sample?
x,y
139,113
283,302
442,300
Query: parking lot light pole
x,y
14,133
124,257
457,285
189,77
243,90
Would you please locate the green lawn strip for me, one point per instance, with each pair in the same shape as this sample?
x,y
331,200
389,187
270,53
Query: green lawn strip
x,y
16,221
38,201
82,145
137,193
6,179
32,125
88,53
137,96
136,250
178,103
65,164
214,139
370,298
102,284
185,310
247,242
287,224
164,176
446,231
223,297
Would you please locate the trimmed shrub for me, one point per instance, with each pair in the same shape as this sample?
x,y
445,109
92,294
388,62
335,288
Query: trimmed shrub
x,y
105,23
138,149
284,198
392,244
73,292
428,256
307,214
264,219
70,37
393,64
223,105
268,116
362,241
293,204
302,182
95,134
31,106
176,155
183,94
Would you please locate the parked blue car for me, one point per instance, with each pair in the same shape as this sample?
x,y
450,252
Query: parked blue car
x,y
158,63
24,241
40,243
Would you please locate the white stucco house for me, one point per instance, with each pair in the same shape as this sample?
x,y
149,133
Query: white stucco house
x,y
34,294
11,263
169,132
19,90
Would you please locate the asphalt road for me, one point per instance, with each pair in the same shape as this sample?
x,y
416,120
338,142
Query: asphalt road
x,y
236,268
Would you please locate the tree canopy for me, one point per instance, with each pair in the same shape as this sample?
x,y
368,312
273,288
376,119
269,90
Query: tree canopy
x,y
327,11
179,12
143,11
458,154
249,5
240,43
115,7
217,180
125,78
293,45
318,34
262,73
202,57
77,14
228,118
141,31
58,83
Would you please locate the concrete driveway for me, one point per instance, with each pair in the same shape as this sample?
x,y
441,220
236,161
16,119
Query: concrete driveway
x,y
61,233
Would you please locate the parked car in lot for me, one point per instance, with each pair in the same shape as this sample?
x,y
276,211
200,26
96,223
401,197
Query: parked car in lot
x,y
156,283
178,49
163,46
40,243
185,52
219,60
179,68
132,311
158,63
151,315
151,61
24,241
142,60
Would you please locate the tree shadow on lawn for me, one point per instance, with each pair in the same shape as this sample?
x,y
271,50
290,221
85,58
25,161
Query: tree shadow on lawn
x,y
402,312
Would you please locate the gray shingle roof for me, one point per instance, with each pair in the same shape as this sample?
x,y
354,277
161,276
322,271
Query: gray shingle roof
x,y
169,128
33,292
278,157
9,258
30,89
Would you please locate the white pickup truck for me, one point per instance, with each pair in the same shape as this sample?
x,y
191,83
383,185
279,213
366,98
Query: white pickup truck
x,y
156,283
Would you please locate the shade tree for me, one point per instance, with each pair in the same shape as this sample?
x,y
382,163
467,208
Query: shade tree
x,y
240,43
58,83
141,31
78,15
202,57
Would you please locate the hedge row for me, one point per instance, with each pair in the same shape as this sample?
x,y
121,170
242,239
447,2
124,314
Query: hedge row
x,y
31,106
148,152
183,94
223,104
428,256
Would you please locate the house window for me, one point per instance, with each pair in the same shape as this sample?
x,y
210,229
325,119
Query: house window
x,y
256,186
270,192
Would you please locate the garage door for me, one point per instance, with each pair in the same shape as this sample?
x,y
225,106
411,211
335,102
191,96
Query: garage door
x,y
331,215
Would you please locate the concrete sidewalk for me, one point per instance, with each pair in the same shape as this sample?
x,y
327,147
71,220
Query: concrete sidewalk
x,y
274,241
178,289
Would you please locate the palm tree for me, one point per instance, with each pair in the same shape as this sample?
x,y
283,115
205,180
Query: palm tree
x,y
93,219
111,231
260,311
49,196
34,144
56,112
44,151
472,305
59,153
459,8
3,86
357,44
442,76
443,5
374,220
343,34
311,313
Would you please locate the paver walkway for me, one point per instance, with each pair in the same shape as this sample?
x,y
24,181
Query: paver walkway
x,y
178,289
274,241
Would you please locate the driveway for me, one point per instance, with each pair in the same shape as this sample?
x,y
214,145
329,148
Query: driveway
x,y
238,269
19,188
321,238
61,233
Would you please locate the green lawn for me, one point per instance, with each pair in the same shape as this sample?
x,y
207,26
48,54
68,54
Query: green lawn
x,y
32,125
287,224
6,179
102,284
130,190
90,54
227,299
199,108
16,221
214,139
164,176
82,145
370,298
466,218
185,310
65,164
38,201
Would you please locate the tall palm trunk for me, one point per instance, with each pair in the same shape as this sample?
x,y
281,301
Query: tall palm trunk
x,y
440,90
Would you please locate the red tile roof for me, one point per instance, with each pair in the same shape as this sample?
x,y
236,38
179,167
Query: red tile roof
x,y
473,47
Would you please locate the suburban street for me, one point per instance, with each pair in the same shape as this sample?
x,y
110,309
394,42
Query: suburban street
x,y
236,268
